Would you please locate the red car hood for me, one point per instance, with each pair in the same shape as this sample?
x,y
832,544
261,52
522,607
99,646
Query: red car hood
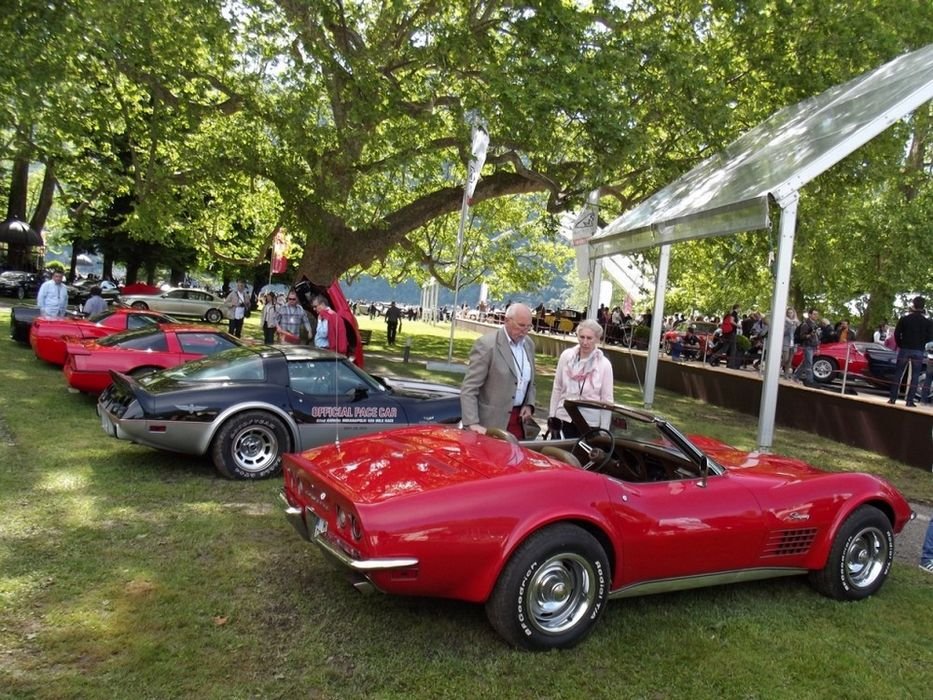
x,y
736,460
415,460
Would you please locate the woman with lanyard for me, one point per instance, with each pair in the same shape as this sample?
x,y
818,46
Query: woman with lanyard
x,y
583,372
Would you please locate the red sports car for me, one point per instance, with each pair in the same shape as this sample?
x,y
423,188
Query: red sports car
x,y
137,352
46,335
703,329
829,361
545,533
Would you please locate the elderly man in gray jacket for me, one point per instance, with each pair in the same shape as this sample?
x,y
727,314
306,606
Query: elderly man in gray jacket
x,y
499,387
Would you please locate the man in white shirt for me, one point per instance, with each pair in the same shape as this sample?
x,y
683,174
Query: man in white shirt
x,y
237,302
52,299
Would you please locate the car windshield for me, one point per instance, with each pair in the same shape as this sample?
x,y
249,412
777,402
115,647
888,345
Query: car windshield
x,y
626,425
238,364
135,338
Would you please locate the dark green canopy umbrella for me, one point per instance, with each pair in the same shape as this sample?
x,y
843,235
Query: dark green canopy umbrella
x,y
16,232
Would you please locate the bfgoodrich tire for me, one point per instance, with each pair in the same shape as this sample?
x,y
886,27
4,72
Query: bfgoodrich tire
x,y
552,591
860,558
250,446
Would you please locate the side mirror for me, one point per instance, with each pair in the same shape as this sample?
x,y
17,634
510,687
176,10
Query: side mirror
x,y
357,393
704,471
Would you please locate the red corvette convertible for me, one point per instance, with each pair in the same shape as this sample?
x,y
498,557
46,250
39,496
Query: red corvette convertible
x,y
46,335
137,352
545,533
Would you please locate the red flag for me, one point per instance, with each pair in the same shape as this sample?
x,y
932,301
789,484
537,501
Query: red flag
x,y
279,246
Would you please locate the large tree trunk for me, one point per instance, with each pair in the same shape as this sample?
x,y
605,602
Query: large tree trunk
x,y
46,197
19,187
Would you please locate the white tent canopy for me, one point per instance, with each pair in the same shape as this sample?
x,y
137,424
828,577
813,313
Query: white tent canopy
x,y
730,191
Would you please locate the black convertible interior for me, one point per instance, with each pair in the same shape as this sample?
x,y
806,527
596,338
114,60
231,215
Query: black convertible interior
x,y
601,451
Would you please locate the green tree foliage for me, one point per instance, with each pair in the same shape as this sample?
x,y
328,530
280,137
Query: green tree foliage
x,y
347,122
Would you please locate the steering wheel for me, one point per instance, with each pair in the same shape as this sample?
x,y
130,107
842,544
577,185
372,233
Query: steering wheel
x,y
596,456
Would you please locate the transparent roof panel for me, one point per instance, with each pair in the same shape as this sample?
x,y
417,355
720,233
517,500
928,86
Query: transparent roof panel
x,y
728,192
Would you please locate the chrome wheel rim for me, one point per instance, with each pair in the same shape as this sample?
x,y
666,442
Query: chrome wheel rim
x,y
822,369
866,557
255,448
561,593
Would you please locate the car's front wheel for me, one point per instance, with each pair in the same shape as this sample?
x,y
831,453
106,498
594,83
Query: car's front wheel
x,y
20,292
552,591
213,316
860,558
824,369
250,446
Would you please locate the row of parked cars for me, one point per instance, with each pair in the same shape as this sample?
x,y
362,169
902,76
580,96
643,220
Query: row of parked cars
x,y
241,403
869,362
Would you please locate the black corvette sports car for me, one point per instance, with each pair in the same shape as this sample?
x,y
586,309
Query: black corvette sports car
x,y
249,405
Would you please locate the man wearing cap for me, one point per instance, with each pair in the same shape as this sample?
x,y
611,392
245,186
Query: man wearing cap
x,y
913,331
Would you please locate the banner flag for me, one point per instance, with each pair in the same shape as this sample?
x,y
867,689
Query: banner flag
x,y
279,248
480,144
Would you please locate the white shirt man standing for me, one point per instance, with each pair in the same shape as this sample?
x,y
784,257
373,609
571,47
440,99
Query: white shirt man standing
x,y
52,299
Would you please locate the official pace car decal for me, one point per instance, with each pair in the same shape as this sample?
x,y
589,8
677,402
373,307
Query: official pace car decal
x,y
355,414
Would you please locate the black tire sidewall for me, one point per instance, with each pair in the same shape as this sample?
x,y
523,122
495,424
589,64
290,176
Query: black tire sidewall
x,y
507,607
832,580
221,448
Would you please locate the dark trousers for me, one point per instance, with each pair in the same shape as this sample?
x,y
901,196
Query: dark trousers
x,y
391,328
915,358
268,334
236,327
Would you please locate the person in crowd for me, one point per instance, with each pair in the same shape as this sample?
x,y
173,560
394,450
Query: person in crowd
x,y
237,305
52,299
827,332
95,303
498,390
329,333
808,337
691,343
270,313
881,334
726,343
788,347
912,332
372,310
291,319
926,554
393,321
844,334
925,395
583,372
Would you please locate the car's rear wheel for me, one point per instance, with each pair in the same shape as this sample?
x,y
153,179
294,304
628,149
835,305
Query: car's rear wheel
x,y
824,369
860,558
213,316
250,446
552,590
141,305
20,292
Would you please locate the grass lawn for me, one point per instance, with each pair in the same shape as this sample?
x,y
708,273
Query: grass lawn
x,y
128,573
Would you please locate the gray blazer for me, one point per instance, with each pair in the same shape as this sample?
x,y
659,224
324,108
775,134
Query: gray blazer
x,y
490,381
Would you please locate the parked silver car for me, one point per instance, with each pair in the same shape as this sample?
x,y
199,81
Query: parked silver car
x,y
180,301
